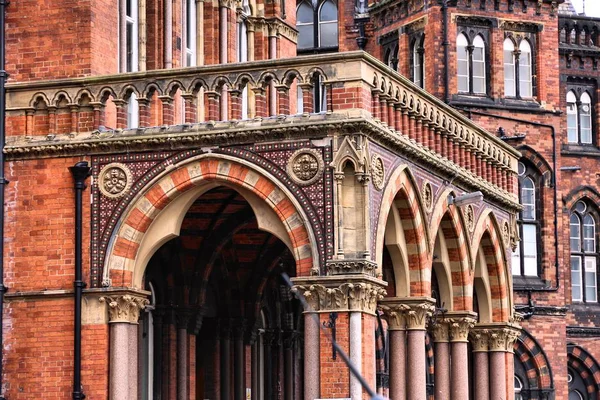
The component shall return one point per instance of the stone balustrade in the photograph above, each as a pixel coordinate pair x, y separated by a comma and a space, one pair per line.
237, 103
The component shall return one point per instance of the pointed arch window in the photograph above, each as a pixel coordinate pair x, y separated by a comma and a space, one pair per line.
317, 24
584, 254
518, 68
579, 118
471, 64
418, 60
525, 259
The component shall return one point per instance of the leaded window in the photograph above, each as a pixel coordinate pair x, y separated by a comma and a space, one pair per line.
584, 254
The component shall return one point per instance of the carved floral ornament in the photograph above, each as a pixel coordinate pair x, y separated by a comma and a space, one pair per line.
114, 180
377, 171
427, 195
506, 233
409, 315
469, 214
352, 296
124, 307
305, 166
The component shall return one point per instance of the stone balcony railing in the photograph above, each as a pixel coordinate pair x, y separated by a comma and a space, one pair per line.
62, 117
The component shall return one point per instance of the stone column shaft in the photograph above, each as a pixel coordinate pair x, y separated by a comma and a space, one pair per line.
441, 338
459, 337
356, 353
168, 50
224, 31
398, 365
312, 381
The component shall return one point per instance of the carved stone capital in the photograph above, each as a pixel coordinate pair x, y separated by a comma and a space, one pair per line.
395, 313
479, 339
441, 331
341, 293
502, 337
414, 310
459, 328
124, 307
341, 267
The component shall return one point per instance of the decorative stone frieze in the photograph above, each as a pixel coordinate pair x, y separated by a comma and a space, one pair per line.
342, 267
114, 180
341, 293
305, 166
479, 339
124, 306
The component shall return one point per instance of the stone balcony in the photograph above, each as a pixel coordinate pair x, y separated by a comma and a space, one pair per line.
69, 117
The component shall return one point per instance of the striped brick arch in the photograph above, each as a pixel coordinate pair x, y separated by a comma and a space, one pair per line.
200, 174
447, 218
584, 364
579, 193
487, 234
401, 193
535, 363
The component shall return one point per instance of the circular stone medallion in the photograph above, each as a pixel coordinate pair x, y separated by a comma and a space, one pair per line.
377, 171
305, 166
114, 180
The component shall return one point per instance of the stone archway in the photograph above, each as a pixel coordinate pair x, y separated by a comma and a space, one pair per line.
155, 217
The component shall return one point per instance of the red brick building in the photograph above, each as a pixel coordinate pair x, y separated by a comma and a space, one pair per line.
426, 172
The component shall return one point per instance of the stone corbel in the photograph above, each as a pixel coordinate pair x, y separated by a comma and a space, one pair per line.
124, 306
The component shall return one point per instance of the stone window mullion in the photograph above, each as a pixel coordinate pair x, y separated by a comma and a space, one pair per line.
470, 49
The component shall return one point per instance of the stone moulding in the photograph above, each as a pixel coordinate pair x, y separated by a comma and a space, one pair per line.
342, 267
348, 293
271, 129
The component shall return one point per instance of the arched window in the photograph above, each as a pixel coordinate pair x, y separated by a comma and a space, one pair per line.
305, 21
518, 69
418, 61
584, 256
525, 258
242, 49
471, 65
509, 69
317, 27
525, 70
320, 94
577, 387
518, 388
190, 32
579, 118
462, 56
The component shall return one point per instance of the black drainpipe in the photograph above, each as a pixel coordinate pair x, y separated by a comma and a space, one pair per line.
80, 172
556, 257
3, 181
446, 44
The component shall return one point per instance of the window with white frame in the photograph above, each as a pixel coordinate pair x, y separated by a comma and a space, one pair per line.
525, 259
584, 255
317, 25
242, 49
418, 60
579, 117
471, 64
131, 35
510, 74
133, 116
525, 76
190, 32
520, 63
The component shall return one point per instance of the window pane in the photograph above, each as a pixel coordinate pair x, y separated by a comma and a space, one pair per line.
528, 199
530, 249
591, 292
572, 122
509, 72
575, 235
576, 278
328, 12
462, 66
525, 85
585, 120
328, 34
516, 261
132, 112
306, 36
305, 14
478, 67
589, 234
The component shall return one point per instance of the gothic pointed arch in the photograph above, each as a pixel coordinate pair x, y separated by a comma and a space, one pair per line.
532, 367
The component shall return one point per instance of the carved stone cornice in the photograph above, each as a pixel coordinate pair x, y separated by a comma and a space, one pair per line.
460, 323
342, 267
502, 336
341, 293
441, 331
479, 339
124, 306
